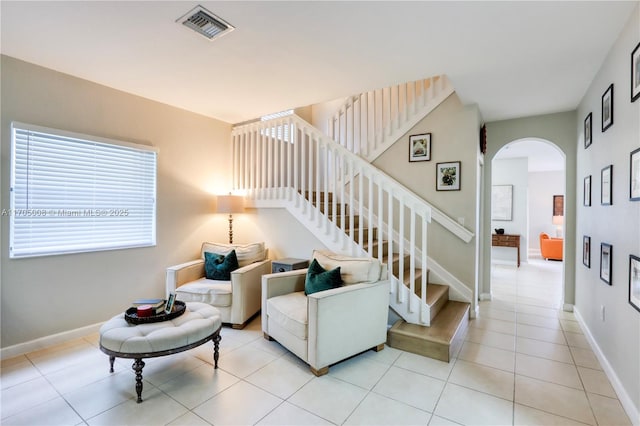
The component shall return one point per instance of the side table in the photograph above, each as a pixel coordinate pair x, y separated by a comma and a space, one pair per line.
288, 264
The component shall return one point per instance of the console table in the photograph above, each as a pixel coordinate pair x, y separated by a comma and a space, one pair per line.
506, 240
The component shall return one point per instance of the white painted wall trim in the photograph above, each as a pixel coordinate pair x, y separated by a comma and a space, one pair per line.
568, 307
485, 296
627, 403
44, 342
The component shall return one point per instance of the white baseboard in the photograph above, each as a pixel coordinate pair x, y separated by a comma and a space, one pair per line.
44, 342
567, 307
474, 312
485, 296
627, 403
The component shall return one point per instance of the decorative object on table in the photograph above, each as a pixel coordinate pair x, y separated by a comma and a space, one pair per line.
606, 186
156, 304
635, 73
230, 204
586, 191
132, 317
144, 311
483, 139
170, 302
607, 108
288, 264
634, 281
499, 231
588, 131
448, 176
558, 221
634, 175
420, 147
501, 202
606, 261
586, 251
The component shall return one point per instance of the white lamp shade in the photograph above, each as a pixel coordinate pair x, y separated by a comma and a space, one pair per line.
558, 220
230, 204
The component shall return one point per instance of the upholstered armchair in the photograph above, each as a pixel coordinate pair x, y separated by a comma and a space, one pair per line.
328, 326
550, 248
237, 299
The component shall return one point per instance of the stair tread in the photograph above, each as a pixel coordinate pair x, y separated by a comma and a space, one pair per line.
443, 328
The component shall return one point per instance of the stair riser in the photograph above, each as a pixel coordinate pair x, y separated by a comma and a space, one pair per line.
429, 349
314, 196
356, 234
396, 265
347, 220
330, 211
376, 249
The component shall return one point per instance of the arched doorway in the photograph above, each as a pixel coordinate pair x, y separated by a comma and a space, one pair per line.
528, 177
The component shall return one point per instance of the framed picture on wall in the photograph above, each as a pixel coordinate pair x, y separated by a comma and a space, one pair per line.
606, 256
634, 175
420, 147
502, 202
587, 131
448, 176
586, 251
606, 186
635, 73
607, 108
634, 281
586, 191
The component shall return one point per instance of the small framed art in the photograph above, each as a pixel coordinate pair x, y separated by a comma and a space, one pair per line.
606, 256
586, 251
607, 108
448, 176
635, 73
634, 281
606, 186
170, 302
586, 191
634, 175
587, 131
420, 147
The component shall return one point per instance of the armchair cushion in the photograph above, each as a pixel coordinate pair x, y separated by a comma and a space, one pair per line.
245, 253
319, 279
352, 269
218, 266
216, 293
290, 312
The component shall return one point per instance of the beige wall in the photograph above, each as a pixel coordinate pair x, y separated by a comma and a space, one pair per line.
46, 295
618, 334
454, 132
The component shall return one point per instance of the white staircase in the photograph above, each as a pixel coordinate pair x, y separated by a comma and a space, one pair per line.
350, 205
369, 123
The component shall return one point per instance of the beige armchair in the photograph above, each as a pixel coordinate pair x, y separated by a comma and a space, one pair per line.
238, 299
332, 325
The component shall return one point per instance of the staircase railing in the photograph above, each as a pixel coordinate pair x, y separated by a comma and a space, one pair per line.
369, 123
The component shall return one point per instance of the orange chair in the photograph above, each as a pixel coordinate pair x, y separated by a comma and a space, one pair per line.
550, 248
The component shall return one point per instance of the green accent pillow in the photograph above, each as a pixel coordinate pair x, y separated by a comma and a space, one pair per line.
318, 279
219, 267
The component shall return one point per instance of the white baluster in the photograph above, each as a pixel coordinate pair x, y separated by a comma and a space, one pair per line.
412, 256
390, 234
370, 207
423, 280
381, 221
401, 245
360, 208
351, 191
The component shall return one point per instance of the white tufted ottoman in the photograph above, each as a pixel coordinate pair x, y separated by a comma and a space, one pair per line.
199, 324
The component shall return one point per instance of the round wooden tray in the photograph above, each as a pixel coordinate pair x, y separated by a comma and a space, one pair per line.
131, 315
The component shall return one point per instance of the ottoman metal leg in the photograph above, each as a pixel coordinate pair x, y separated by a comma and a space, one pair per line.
138, 365
216, 347
111, 360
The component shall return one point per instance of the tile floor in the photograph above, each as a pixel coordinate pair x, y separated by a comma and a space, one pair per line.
524, 362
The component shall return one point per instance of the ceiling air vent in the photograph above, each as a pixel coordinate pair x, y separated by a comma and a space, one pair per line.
206, 23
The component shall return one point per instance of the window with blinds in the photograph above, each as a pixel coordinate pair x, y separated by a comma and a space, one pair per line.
75, 193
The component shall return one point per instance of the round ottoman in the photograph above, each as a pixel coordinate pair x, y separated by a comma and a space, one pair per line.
120, 339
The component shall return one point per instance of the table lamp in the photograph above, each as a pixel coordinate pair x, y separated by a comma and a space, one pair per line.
558, 221
230, 204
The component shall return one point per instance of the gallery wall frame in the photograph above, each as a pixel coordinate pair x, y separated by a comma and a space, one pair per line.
634, 281
502, 202
420, 147
586, 191
634, 175
588, 130
448, 176
607, 108
606, 186
586, 251
635, 74
606, 261
558, 205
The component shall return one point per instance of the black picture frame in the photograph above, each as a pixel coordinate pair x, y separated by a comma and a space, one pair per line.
606, 185
634, 175
606, 263
448, 176
420, 147
607, 108
588, 130
635, 74
634, 281
586, 191
586, 251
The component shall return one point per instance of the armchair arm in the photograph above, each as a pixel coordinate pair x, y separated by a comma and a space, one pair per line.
183, 273
346, 320
280, 284
245, 290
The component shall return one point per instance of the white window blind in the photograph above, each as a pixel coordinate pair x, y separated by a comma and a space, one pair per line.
75, 193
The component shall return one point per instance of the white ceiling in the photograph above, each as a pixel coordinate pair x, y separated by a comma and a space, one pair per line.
542, 156
511, 58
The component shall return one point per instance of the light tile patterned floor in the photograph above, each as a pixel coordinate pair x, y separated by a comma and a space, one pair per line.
524, 362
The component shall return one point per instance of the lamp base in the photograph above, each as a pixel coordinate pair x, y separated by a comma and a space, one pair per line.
230, 229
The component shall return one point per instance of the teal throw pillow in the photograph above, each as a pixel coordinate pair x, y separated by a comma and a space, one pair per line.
219, 267
319, 280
